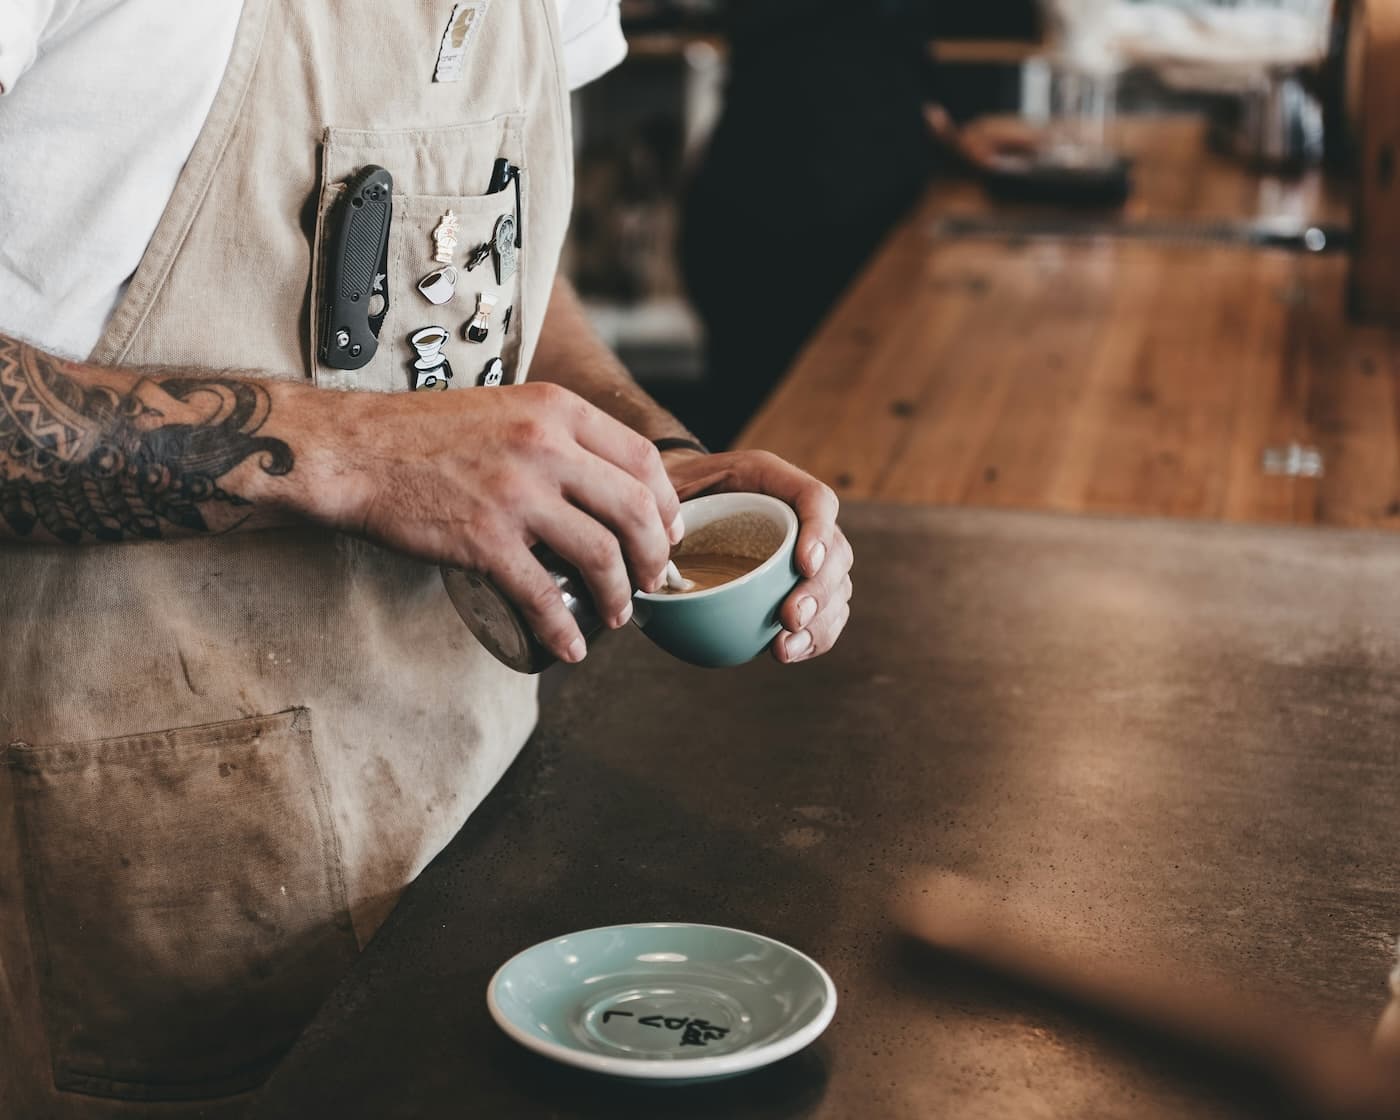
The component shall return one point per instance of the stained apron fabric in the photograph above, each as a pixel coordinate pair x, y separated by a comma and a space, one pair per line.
227, 756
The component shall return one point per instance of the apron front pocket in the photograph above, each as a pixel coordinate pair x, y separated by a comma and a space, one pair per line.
185, 902
435, 171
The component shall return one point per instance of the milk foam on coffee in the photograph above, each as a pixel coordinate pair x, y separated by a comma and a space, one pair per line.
724, 550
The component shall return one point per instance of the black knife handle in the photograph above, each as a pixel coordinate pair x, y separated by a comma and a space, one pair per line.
352, 310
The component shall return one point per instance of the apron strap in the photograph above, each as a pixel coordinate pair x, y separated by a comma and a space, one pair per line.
190, 189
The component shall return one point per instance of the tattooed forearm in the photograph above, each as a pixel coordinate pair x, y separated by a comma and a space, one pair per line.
112, 455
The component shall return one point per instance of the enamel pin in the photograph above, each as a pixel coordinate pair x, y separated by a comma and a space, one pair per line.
431, 370
503, 246
445, 238
462, 27
494, 372
440, 285
479, 255
479, 326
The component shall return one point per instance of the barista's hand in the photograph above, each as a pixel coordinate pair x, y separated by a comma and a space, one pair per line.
816, 612
475, 479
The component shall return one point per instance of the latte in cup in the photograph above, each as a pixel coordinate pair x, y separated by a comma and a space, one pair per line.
740, 547
723, 551
704, 570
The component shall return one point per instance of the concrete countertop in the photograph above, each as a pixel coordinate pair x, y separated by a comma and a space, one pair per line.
1171, 736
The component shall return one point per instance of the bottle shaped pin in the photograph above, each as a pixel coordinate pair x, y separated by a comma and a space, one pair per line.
479, 326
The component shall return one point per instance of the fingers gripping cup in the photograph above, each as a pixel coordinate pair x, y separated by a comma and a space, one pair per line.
739, 554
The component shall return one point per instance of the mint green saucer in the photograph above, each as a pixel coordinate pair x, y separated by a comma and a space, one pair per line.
662, 1000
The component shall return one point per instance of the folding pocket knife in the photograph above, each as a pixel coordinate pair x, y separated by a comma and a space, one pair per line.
355, 290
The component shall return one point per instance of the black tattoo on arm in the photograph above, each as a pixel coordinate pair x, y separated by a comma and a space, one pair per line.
131, 456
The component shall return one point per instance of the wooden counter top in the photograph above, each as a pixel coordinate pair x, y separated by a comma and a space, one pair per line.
1111, 375
1162, 737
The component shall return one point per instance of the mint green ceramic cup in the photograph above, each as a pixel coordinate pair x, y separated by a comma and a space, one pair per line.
735, 622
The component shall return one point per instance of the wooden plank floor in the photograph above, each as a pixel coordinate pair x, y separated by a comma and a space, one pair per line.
1106, 376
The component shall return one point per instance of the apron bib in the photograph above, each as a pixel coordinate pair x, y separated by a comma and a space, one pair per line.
227, 756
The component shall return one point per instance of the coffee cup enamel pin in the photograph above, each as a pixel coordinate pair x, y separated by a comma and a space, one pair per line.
440, 285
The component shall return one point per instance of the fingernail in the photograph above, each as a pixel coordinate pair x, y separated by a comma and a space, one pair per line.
577, 648
798, 644
677, 530
622, 617
806, 611
816, 558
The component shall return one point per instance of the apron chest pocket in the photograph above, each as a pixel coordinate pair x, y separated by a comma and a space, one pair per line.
436, 172
185, 903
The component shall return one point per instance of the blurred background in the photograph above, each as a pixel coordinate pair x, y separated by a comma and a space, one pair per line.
745, 163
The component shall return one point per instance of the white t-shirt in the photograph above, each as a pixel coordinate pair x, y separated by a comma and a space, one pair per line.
103, 101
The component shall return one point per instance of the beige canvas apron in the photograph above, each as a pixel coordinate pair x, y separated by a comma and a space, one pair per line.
229, 755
